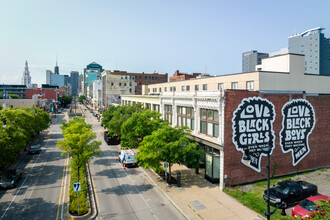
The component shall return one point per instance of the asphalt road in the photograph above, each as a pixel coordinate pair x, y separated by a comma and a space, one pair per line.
125, 194
37, 195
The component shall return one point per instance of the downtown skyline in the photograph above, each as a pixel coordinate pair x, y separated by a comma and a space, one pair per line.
146, 36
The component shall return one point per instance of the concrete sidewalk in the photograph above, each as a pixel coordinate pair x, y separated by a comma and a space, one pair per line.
200, 199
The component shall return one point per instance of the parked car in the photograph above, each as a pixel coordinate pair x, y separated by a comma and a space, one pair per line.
35, 149
289, 192
128, 157
307, 206
10, 178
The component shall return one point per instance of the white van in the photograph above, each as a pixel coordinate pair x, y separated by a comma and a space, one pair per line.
128, 157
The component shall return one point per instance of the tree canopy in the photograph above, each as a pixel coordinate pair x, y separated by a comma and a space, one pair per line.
139, 125
81, 98
168, 144
22, 125
65, 100
119, 116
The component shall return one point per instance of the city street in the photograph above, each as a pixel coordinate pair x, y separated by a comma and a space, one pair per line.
38, 192
125, 194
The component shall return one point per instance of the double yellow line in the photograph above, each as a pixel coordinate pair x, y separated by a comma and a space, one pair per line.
59, 200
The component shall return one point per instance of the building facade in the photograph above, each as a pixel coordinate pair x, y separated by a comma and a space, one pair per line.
41, 93
141, 79
251, 59
26, 78
74, 81
91, 72
59, 80
13, 89
183, 76
97, 94
316, 48
114, 86
212, 109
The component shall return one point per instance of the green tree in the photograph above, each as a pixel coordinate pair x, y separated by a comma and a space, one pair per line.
120, 115
139, 125
81, 98
108, 114
168, 144
79, 143
65, 100
21, 127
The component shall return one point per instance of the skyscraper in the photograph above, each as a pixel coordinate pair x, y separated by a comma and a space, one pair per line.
250, 59
74, 77
56, 69
91, 72
316, 48
26, 78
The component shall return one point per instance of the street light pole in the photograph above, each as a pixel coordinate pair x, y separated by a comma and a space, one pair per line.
268, 184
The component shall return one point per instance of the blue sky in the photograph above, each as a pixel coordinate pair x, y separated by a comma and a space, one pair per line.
147, 35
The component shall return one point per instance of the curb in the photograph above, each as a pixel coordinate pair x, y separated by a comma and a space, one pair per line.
173, 203
92, 212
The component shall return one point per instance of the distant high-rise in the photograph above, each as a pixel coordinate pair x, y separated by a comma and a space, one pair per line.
48, 74
91, 72
74, 77
26, 79
56, 69
316, 48
250, 59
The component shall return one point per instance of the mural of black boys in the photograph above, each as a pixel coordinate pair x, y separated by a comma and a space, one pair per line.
253, 132
298, 123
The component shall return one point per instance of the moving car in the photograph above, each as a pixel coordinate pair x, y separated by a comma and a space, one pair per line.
307, 206
10, 178
289, 192
35, 149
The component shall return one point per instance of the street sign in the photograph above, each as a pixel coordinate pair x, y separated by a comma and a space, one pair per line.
165, 165
76, 187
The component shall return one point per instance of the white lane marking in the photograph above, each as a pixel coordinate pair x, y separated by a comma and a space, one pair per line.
66, 171
21, 186
135, 188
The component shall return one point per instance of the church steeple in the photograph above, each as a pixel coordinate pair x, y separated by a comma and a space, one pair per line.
26, 79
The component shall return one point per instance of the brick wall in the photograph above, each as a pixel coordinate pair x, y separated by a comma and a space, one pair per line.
48, 94
280, 163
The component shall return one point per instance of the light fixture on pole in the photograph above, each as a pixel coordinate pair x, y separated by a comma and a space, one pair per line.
268, 213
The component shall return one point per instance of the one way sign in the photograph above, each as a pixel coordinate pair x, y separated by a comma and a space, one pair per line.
76, 187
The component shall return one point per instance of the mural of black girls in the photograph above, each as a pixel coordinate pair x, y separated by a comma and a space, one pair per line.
252, 125
298, 123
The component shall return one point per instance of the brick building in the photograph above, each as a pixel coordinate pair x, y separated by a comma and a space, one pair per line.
183, 76
281, 163
142, 79
41, 93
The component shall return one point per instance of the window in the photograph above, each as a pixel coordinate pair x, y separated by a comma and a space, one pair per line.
125, 77
160, 89
186, 117
145, 78
149, 77
140, 77
130, 83
156, 108
135, 83
196, 87
130, 90
249, 85
210, 122
174, 88
171, 89
153, 77
220, 86
168, 113
140, 84
119, 84
148, 106
234, 85
182, 88
111, 83
124, 84
187, 88
165, 89
204, 87
122, 77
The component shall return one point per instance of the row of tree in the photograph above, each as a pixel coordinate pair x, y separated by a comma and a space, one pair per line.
65, 100
79, 143
157, 141
18, 127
